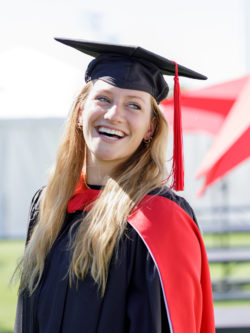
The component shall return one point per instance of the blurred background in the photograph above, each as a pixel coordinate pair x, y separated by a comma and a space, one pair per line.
40, 78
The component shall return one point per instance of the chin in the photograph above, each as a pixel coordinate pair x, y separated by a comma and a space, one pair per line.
110, 158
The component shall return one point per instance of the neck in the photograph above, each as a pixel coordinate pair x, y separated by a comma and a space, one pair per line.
97, 171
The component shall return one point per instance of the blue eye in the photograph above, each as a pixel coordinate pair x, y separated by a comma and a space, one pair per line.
134, 106
103, 99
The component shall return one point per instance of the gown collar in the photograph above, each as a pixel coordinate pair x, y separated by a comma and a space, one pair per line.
83, 196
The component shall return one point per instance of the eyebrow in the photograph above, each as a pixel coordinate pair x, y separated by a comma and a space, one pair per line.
106, 91
135, 96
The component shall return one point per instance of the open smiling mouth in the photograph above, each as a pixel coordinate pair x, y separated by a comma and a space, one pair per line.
110, 133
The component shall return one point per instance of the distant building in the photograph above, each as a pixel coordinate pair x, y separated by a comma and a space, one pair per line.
28, 149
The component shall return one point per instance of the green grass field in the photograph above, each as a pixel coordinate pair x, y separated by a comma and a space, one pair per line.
236, 270
10, 251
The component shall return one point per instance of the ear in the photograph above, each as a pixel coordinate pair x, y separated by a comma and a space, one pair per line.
150, 131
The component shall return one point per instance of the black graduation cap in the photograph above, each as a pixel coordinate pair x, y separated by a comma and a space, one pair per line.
133, 67
130, 67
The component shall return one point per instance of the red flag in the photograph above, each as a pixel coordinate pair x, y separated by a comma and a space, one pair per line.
205, 110
232, 145
222, 110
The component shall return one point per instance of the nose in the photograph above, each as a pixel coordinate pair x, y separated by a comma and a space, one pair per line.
114, 113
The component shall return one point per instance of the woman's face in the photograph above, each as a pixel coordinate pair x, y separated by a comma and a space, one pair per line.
115, 121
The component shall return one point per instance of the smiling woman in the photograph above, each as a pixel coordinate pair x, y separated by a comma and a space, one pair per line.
115, 121
110, 247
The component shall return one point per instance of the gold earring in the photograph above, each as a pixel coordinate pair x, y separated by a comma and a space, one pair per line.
148, 140
79, 125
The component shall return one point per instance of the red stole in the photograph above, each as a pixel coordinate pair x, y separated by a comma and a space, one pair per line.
177, 248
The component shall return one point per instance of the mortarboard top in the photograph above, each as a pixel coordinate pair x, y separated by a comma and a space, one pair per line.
95, 49
129, 67
133, 67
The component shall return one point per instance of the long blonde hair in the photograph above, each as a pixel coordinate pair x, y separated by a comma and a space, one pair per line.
101, 229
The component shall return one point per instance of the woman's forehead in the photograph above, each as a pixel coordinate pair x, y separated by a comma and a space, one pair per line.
102, 86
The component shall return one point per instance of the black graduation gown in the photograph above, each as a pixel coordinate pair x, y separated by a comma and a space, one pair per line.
132, 303
133, 300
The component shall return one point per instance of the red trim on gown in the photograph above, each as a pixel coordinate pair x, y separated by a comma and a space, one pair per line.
176, 246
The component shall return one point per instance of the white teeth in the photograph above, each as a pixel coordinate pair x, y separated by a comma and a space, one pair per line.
110, 131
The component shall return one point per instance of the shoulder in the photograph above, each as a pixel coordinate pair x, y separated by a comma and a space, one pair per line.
35, 202
163, 214
34, 211
165, 192
36, 198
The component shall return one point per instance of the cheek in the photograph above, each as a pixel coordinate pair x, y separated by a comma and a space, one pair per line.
86, 122
141, 126
90, 115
